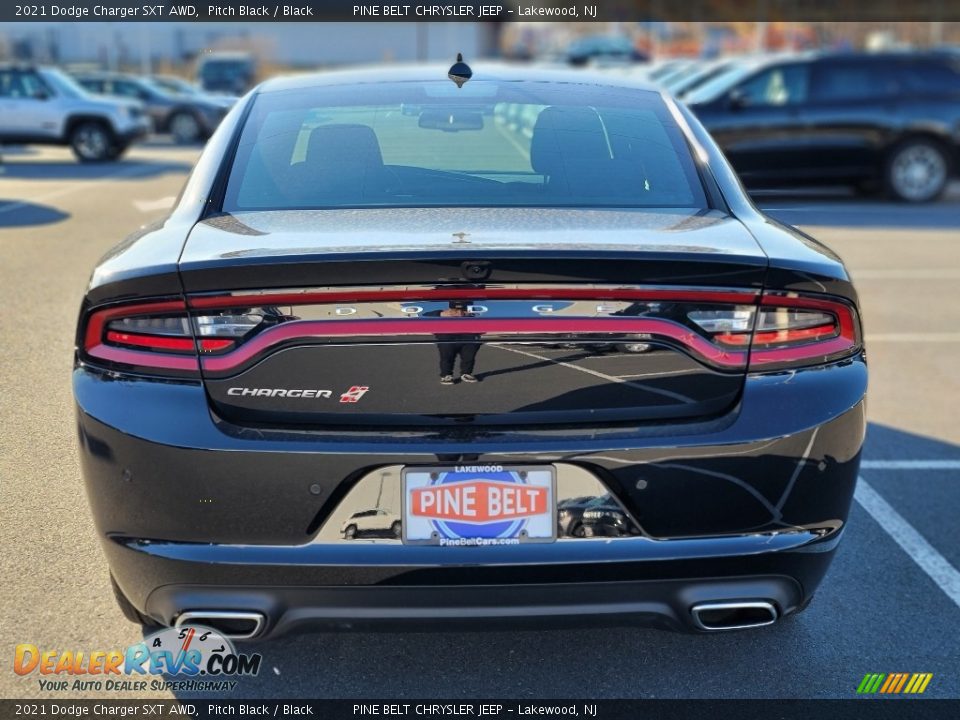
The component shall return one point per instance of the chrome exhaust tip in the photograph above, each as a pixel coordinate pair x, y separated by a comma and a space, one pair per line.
733, 615
235, 625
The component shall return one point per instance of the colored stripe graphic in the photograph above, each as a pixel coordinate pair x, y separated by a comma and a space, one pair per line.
894, 683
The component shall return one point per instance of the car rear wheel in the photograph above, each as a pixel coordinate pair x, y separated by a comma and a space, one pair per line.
127, 608
918, 171
92, 142
396, 529
184, 128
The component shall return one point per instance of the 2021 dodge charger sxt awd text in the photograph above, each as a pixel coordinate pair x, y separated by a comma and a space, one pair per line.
564, 374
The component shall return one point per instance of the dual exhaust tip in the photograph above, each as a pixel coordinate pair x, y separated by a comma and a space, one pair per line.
710, 617
234, 625
733, 615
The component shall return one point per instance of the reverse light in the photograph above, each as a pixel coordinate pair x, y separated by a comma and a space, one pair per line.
228, 325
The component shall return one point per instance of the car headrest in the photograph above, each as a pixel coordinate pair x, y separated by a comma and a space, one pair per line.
343, 146
564, 138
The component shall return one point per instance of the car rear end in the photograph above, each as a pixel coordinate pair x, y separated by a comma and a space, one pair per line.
665, 429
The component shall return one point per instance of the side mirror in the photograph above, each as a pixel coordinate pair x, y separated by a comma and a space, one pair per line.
737, 100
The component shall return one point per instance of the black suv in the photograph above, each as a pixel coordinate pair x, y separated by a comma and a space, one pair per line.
876, 121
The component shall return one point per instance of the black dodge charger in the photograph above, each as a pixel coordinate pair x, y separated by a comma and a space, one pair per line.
379, 298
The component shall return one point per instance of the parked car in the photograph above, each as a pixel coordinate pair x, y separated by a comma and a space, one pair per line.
708, 72
179, 86
723, 460
42, 105
876, 121
226, 72
593, 517
603, 49
189, 118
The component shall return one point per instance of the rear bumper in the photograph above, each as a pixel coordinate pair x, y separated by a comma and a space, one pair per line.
663, 603
191, 510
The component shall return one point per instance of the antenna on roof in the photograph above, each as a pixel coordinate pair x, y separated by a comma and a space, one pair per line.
460, 72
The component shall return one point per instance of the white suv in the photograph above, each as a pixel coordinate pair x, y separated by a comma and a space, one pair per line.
45, 106
371, 523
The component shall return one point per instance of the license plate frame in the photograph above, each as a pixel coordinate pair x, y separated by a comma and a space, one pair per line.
537, 525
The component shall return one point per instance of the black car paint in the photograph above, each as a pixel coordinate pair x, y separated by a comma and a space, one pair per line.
755, 510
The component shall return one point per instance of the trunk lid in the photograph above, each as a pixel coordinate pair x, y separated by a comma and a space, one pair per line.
569, 316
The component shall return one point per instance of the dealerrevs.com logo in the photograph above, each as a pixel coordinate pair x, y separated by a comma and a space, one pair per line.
199, 658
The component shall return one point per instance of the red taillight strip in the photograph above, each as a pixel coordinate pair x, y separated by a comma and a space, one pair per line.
772, 336
215, 344
737, 297
475, 326
167, 342
155, 342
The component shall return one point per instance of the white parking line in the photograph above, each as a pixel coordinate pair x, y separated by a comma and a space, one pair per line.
912, 542
164, 203
611, 378
660, 374
910, 464
914, 337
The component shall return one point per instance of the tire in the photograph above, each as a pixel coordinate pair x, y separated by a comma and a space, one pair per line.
350, 532
128, 610
185, 128
396, 529
92, 141
634, 348
917, 170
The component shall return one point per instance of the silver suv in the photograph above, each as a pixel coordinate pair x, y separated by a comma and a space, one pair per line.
40, 105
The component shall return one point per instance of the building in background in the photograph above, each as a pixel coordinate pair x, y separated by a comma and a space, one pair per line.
165, 47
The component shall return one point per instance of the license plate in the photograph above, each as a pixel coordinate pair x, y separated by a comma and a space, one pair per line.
479, 505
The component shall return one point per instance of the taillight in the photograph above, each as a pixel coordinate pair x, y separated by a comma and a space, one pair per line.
730, 330
789, 330
160, 336
149, 337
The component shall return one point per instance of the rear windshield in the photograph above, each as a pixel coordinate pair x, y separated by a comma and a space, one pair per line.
488, 144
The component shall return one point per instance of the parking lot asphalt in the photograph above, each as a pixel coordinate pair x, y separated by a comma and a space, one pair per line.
891, 602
